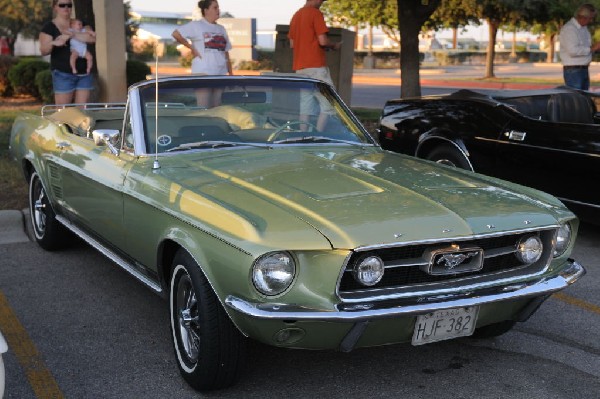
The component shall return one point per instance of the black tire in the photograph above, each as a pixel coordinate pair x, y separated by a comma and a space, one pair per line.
48, 232
494, 330
447, 154
210, 351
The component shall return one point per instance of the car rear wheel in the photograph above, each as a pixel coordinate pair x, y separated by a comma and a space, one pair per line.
209, 348
447, 154
1, 377
494, 330
3, 349
47, 231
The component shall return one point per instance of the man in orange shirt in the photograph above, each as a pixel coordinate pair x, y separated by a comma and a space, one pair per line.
309, 41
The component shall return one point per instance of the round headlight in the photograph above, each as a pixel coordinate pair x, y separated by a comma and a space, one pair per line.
369, 270
529, 249
273, 273
563, 238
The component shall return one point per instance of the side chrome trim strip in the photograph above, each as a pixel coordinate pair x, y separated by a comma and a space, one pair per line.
154, 286
579, 202
269, 311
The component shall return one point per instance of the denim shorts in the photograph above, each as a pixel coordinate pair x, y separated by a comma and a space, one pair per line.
67, 82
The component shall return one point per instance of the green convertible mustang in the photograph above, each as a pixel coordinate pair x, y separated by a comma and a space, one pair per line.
261, 208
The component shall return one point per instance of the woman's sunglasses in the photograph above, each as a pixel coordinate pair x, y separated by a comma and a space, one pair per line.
65, 5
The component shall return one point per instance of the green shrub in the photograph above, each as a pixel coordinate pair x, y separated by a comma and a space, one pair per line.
43, 82
136, 71
186, 61
22, 76
6, 62
171, 50
261, 65
144, 52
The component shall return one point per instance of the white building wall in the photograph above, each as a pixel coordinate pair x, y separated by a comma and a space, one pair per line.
24, 47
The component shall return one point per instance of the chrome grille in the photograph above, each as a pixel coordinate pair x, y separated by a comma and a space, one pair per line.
404, 271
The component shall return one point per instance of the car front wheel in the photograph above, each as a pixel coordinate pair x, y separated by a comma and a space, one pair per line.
47, 231
209, 348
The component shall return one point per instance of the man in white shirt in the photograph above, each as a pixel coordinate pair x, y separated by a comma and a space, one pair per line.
576, 48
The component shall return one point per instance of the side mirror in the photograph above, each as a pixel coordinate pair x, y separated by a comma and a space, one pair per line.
107, 137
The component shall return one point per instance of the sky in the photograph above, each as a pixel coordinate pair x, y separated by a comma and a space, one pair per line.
268, 13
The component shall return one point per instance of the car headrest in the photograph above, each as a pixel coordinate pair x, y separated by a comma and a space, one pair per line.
75, 118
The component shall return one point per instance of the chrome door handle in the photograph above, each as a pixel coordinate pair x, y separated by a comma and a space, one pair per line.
515, 135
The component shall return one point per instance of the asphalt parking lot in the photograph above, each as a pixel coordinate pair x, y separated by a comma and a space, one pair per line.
79, 327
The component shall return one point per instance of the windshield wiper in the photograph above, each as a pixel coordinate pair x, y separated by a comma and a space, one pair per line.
213, 144
316, 139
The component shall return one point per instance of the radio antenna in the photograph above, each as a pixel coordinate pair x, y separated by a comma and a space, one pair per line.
156, 165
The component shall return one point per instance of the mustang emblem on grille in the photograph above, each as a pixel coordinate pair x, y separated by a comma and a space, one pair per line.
450, 261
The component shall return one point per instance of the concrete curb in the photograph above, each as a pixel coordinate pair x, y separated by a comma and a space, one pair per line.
13, 228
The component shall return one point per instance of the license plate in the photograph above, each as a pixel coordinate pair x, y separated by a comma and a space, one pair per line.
445, 324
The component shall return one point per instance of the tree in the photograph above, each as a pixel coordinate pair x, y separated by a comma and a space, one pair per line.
453, 14
363, 14
386, 18
403, 16
412, 14
24, 17
496, 13
131, 27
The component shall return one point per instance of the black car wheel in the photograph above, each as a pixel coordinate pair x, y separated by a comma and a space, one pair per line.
494, 330
47, 231
447, 154
209, 348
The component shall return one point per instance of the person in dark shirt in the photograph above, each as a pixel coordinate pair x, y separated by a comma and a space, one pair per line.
54, 40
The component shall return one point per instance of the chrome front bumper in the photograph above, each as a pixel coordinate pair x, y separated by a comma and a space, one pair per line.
539, 288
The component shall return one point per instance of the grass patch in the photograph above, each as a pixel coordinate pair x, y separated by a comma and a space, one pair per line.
13, 187
367, 114
369, 118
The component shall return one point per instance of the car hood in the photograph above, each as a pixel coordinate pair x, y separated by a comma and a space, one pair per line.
355, 197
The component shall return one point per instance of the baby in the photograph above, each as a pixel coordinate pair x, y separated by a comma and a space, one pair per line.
79, 48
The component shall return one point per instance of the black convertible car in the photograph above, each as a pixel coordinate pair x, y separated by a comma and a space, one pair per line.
547, 139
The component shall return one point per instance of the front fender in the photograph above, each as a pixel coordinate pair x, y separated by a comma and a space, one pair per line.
433, 138
227, 268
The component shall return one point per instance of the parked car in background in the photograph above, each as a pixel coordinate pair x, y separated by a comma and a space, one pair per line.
276, 217
3, 349
547, 139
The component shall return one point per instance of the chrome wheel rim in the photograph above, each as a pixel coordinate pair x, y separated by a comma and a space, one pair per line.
39, 208
446, 162
188, 322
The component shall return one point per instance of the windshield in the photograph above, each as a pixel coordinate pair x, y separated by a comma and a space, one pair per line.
190, 113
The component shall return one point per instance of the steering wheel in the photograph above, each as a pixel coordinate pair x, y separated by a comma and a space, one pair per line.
286, 127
